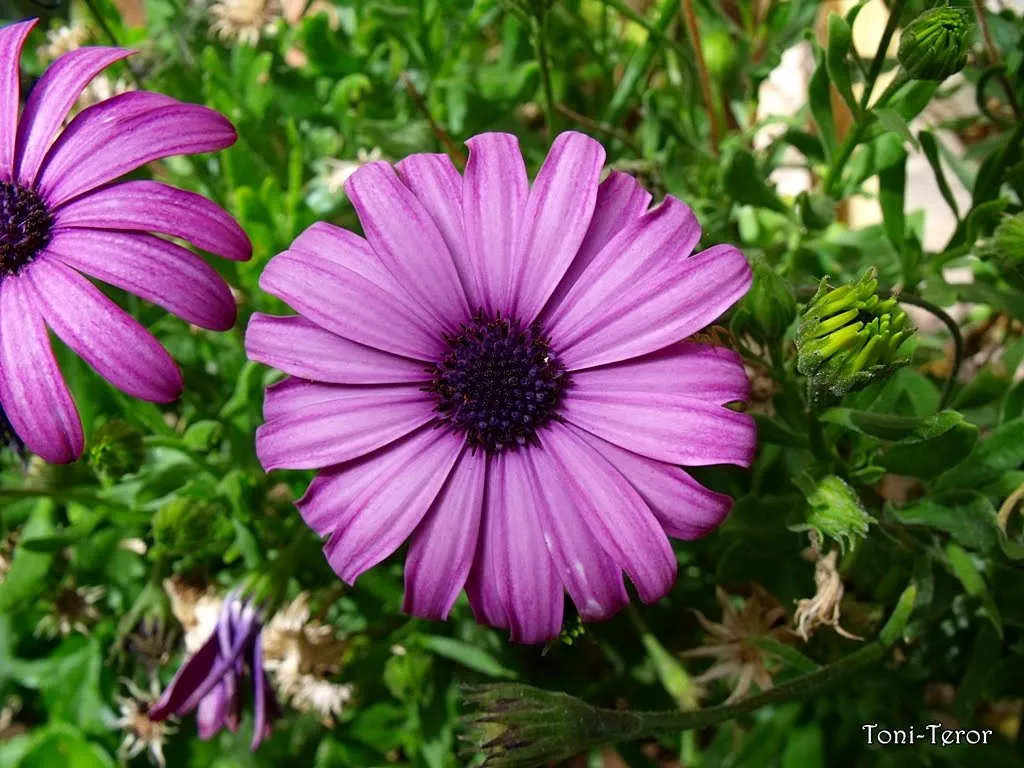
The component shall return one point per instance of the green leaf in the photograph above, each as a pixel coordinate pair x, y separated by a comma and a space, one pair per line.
61, 745
873, 157
881, 425
787, 653
1010, 302
968, 572
931, 151
894, 123
892, 184
770, 430
745, 183
202, 435
819, 94
29, 569
1001, 451
967, 516
804, 748
938, 443
837, 60
913, 99
467, 655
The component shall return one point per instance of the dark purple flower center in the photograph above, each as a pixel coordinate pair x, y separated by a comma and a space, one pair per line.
25, 224
498, 383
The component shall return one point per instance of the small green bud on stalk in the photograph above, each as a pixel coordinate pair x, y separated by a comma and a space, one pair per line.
849, 337
768, 308
836, 511
935, 45
191, 528
117, 450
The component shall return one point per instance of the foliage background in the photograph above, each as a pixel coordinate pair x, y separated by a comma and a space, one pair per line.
340, 78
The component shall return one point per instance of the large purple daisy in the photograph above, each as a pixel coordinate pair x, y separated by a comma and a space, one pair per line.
497, 374
61, 217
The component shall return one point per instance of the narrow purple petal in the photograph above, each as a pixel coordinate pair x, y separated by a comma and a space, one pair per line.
620, 201
106, 145
328, 502
616, 514
495, 189
154, 269
103, 334
437, 184
293, 394
408, 242
189, 677
482, 586
260, 690
668, 306
149, 206
444, 544
589, 574
33, 392
300, 347
699, 371
555, 221
516, 561
664, 426
347, 249
12, 39
210, 714
341, 429
50, 101
222, 669
385, 515
684, 507
350, 305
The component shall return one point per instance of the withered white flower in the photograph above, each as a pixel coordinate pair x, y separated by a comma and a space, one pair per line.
196, 608
73, 609
141, 733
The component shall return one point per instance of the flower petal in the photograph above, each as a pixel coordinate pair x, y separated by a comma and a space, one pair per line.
616, 514
512, 567
555, 221
264, 704
348, 250
437, 184
349, 425
383, 516
189, 677
327, 503
302, 348
693, 370
12, 39
590, 576
675, 302
154, 269
210, 714
346, 303
665, 427
408, 242
50, 101
102, 144
149, 206
495, 189
444, 544
33, 392
684, 507
103, 334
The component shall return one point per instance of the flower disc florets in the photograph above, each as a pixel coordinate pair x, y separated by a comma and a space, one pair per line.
25, 223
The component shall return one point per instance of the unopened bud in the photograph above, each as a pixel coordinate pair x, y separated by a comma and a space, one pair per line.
116, 450
192, 528
769, 306
1009, 239
934, 46
835, 511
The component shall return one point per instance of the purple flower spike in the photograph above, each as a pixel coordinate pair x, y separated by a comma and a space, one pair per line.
64, 216
210, 682
498, 372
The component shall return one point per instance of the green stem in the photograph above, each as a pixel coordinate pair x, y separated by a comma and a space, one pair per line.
540, 31
895, 11
97, 15
60, 497
954, 332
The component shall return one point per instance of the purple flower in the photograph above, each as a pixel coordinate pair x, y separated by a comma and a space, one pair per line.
62, 217
497, 374
210, 681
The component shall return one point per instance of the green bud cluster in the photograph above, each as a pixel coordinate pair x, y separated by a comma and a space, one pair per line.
835, 511
934, 46
849, 337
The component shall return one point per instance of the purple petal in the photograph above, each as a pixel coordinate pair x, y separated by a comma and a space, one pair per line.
482, 587
495, 189
189, 677
438, 186
149, 206
350, 305
665, 427
102, 144
684, 507
515, 565
103, 334
383, 516
292, 395
615, 513
590, 576
328, 501
210, 714
555, 221
650, 313
156, 270
261, 696
12, 39
620, 201
348, 250
408, 242
222, 671
341, 429
50, 101
444, 544
300, 347
693, 370
32, 390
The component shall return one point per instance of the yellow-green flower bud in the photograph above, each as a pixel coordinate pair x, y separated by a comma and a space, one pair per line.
769, 306
835, 511
116, 450
934, 46
1009, 238
849, 337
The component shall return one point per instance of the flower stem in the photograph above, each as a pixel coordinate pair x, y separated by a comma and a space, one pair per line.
540, 31
954, 332
693, 28
895, 11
